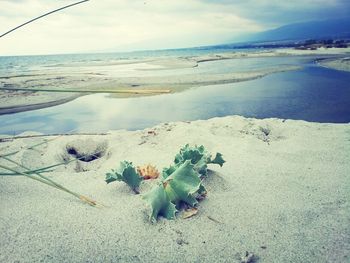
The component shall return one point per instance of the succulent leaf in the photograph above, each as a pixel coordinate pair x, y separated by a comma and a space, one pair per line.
198, 156
182, 184
194, 154
218, 160
159, 203
126, 172
168, 171
202, 191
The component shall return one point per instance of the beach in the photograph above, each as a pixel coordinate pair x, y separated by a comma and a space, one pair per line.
57, 84
281, 196
338, 64
175, 131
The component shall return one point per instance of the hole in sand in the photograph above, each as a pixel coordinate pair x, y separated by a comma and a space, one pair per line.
265, 130
86, 150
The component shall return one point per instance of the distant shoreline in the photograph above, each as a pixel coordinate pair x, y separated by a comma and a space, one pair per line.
18, 101
342, 64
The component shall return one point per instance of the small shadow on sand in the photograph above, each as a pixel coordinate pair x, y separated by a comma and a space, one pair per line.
215, 182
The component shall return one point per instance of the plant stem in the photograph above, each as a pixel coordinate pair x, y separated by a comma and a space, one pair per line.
49, 182
44, 169
27, 172
47, 135
121, 91
28, 148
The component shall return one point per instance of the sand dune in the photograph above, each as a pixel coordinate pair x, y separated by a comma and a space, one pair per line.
282, 195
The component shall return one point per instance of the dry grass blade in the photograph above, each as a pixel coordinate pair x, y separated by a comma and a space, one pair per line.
28, 148
46, 168
26, 172
121, 91
5, 139
39, 177
48, 181
28, 175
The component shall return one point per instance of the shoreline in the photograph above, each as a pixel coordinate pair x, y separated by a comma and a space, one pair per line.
37, 106
173, 85
13, 101
282, 195
342, 64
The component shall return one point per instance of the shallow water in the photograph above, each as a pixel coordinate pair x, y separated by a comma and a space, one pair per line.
13, 65
91, 71
312, 94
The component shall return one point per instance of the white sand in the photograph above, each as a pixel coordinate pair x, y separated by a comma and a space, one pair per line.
282, 196
338, 64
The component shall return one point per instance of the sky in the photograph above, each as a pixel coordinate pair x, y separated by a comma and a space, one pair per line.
126, 25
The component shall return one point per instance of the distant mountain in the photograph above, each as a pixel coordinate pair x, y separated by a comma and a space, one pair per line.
335, 28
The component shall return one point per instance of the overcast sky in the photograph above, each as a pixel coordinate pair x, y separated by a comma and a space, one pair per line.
124, 25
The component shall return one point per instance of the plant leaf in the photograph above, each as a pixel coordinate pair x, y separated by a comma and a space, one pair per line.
198, 156
160, 203
195, 154
126, 172
182, 184
218, 160
202, 192
168, 171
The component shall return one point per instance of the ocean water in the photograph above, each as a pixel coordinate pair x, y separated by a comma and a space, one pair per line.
312, 93
82, 70
16, 65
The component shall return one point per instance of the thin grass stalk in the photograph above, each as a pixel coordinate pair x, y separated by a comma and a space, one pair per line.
26, 172
28, 148
121, 91
32, 146
4, 139
50, 182
43, 178
45, 169
37, 173
28, 175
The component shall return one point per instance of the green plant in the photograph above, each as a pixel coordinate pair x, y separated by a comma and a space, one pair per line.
198, 156
180, 184
160, 203
127, 173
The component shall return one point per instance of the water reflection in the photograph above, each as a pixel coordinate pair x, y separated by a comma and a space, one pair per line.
312, 94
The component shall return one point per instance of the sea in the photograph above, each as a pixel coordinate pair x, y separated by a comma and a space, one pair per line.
313, 93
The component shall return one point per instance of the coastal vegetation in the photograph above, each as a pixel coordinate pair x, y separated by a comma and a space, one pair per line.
180, 185
37, 174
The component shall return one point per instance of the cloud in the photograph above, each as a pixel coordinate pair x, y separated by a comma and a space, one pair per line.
117, 24
121, 25
272, 13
